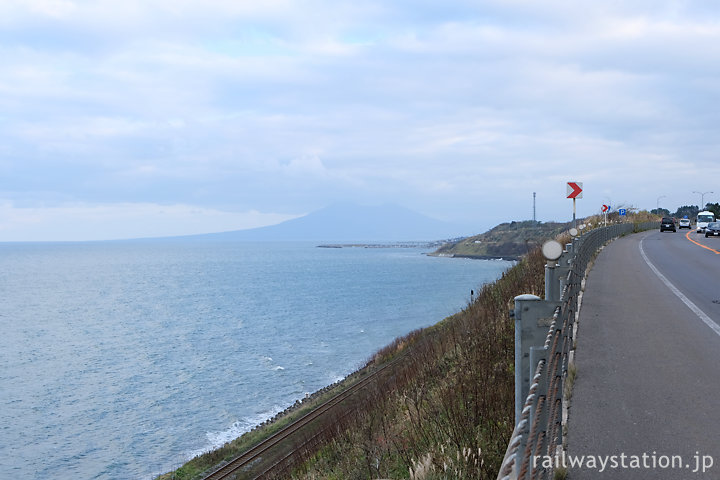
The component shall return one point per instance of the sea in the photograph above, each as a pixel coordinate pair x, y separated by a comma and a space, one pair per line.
123, 360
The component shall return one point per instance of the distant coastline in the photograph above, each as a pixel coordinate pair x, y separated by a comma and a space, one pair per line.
434, 244
512, 258
508, 241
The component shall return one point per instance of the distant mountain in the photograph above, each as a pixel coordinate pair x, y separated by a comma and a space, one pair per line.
349, 223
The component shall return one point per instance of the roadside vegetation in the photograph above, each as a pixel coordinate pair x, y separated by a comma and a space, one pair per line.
448, 411
445, 412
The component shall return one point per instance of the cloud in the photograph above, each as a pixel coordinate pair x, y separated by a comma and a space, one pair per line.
306, 165
286, 106
75, 222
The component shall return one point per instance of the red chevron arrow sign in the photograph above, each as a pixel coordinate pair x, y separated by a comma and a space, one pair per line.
574, 190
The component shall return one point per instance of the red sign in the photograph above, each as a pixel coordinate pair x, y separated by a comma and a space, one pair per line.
605, 208
574, 190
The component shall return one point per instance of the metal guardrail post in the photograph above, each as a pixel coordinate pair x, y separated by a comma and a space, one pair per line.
536, 355
552, 284
563, 267
533, 318
543, 338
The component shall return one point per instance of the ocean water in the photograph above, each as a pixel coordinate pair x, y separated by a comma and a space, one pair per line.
122, 360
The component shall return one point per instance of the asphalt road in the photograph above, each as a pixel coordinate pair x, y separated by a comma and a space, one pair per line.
646, 402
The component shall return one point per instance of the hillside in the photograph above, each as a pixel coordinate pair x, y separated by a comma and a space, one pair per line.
449, 403
445, 412
507, 240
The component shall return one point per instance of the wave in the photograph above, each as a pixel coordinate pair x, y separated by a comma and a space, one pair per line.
216, 440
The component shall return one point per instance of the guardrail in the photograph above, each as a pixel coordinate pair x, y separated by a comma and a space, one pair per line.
544, 333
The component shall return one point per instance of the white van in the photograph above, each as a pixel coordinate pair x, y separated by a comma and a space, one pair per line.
703, 219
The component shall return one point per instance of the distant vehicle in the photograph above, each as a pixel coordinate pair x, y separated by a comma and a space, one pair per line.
667, 223
703, 218
713, 228
684, 223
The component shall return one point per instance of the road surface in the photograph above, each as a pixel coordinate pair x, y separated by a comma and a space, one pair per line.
646, 402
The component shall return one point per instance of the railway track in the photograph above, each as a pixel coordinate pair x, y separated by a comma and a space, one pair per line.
239, 464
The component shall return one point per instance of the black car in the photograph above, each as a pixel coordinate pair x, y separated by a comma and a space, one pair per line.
667, 223
713, 229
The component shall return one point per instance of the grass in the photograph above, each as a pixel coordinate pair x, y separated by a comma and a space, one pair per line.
570, 381
449, 411
450, 414
445, 412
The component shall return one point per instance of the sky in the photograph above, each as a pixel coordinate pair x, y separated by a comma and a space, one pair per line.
141, 118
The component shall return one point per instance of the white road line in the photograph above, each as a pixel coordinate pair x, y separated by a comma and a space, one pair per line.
702, 315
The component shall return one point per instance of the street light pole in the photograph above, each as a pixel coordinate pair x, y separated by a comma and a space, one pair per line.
702, 198
657, 206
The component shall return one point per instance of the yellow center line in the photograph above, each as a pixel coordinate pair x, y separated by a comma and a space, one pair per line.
687, 235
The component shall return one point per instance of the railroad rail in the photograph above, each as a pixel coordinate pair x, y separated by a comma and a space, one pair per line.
239, 464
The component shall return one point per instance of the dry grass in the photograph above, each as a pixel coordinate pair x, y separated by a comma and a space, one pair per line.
448, 413
447, 409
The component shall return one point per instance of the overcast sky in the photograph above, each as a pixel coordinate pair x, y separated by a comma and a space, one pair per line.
160, 117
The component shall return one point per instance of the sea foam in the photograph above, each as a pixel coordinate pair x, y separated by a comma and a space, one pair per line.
218, 439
